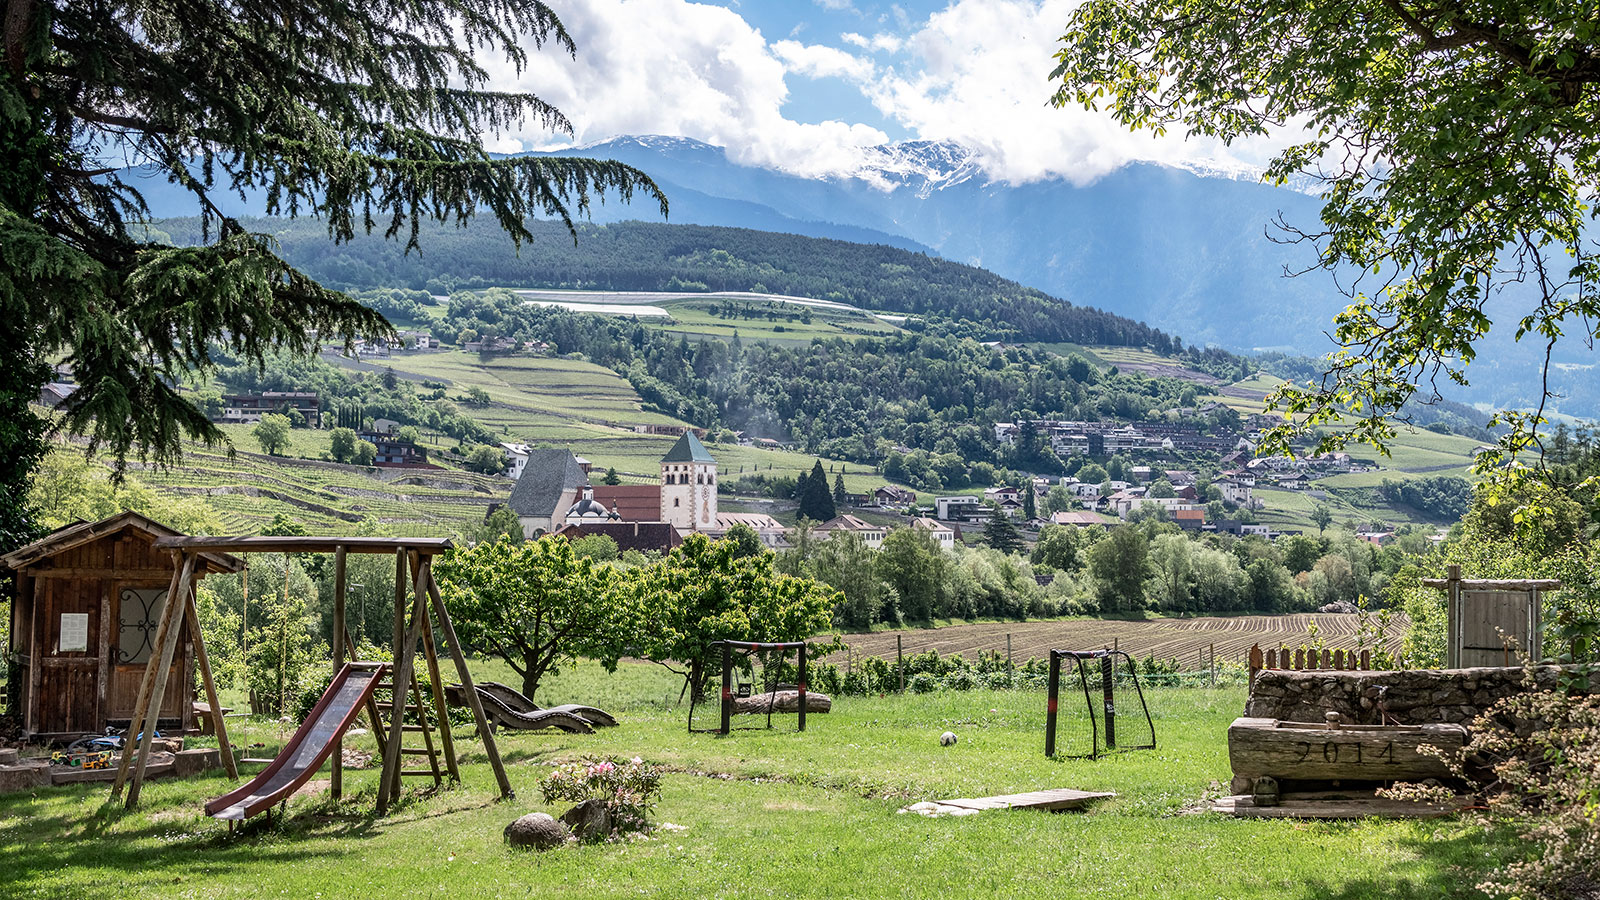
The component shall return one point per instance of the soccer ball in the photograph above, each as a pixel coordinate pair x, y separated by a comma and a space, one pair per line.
948, 739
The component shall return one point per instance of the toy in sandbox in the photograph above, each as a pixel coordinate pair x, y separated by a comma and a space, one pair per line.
1107, 732
746, 664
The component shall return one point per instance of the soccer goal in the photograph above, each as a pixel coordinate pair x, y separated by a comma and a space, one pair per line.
1099, 729
747, 666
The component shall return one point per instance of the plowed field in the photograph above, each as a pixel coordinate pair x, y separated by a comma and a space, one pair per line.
1187, 640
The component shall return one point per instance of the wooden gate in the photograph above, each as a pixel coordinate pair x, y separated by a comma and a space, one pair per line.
1492, 623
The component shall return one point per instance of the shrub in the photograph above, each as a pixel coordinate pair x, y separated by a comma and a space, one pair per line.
922, 683
960, 680
628, 790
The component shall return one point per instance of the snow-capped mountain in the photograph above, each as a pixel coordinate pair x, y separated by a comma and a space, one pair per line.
921, 166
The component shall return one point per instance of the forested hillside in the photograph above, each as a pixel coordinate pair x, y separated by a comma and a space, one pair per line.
638, 256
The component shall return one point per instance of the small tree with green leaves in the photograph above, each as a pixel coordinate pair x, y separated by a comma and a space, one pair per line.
1321, 517
537, 605
272, 432
703, 591
366, 453
342, 444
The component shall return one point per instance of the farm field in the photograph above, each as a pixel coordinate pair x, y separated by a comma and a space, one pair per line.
1186, 640
760, 814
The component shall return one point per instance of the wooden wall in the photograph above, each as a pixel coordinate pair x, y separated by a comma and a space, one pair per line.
80, 691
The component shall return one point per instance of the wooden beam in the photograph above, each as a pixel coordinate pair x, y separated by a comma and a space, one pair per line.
431, 654
336, 786
405, 655
175, 602
218, 720
147, 682
1496, 584
473, 700
293, 544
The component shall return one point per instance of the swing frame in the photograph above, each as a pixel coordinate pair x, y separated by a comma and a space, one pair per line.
749, 648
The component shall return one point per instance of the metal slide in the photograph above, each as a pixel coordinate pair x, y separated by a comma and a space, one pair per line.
310, 747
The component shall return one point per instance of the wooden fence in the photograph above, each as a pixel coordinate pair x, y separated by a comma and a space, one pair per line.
1303, 660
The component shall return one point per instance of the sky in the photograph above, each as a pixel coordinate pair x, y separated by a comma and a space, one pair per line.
805, 85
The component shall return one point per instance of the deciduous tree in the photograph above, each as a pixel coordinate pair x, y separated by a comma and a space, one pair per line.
1456, 148
537, 605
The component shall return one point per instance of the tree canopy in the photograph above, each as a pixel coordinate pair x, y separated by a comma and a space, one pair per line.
368, 115
1456, 147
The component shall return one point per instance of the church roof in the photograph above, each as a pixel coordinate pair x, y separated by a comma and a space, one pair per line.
634, 502
548, 474
688, 449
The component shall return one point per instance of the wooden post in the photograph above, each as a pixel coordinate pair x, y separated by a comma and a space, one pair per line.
336, 775
147, 683
175, 603
1051, 704
1213, 664
1452, 647
192, 614
405, 653
441, 710
900, 661
399, 601
473, 700
726, 710
802, 687
1009, 667
1108, 674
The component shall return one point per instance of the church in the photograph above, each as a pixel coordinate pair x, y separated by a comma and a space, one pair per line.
554, 495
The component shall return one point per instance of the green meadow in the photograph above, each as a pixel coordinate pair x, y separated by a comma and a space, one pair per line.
759, 814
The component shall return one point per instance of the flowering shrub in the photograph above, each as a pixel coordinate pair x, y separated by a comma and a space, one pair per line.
627, 790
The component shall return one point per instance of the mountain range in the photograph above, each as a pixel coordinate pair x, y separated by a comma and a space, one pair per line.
1192, 251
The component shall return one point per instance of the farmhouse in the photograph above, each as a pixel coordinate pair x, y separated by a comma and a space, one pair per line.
943, 534
249, 408
870, 534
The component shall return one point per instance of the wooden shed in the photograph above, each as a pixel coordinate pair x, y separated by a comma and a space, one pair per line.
89, 598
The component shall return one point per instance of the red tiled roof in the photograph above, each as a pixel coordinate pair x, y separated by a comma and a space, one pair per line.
633, 502
641, 536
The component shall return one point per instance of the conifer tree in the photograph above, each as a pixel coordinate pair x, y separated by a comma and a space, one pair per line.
368, 114
1000, 534
816, 503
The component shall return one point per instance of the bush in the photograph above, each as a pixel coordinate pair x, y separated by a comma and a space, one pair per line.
960, 680
922, 683
628, 790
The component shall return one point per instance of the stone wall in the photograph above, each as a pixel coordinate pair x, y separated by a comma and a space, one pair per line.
1417, 697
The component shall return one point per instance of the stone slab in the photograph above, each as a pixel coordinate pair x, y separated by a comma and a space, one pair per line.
1291, 806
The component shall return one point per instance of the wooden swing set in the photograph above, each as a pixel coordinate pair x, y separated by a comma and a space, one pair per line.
413, 564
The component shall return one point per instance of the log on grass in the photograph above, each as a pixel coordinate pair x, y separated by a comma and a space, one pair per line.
1307, 751
781, 702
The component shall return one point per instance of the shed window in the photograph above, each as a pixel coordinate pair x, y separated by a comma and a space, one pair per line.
137, 617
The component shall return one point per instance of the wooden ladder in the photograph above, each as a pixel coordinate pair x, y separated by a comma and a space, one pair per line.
383, 700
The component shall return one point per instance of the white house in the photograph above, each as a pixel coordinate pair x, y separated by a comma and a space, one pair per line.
957, 507
870, 534
943, 534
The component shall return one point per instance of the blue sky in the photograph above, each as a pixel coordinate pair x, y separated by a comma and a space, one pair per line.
810, 86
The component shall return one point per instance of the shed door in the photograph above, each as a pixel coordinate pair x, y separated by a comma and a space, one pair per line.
68, 627
1495, 627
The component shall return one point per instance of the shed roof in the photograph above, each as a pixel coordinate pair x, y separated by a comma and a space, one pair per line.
79, 533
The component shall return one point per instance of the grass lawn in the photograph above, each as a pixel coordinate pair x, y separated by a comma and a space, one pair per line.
764, 814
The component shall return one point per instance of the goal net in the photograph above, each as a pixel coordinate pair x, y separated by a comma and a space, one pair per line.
1096, 705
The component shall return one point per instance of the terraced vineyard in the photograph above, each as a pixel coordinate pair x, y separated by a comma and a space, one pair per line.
1187, 640
249, 490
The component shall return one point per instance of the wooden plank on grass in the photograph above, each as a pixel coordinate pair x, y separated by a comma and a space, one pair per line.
1057, 799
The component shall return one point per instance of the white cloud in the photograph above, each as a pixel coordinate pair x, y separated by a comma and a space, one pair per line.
817, 61
686, 69
835, 5
976, 73
888, 42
